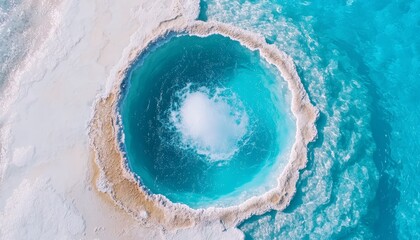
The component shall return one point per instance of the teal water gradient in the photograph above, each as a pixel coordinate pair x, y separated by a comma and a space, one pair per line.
360, 62
156, 150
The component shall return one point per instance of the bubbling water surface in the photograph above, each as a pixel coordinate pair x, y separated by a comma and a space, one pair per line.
210, 125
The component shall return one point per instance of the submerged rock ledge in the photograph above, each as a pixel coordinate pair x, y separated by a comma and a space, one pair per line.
119, 183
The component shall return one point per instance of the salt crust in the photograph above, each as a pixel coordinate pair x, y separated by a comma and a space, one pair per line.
38, 198
121, 184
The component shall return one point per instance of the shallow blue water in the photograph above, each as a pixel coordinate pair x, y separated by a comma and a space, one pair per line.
360, 62
206, 121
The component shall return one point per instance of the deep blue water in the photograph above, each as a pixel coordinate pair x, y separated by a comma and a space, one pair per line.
206, 121
360, 63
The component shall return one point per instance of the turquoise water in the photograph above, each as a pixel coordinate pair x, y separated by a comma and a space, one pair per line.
206, 122
360, 63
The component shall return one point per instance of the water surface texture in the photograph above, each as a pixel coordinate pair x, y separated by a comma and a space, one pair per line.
206, 121
360, 62
21, 32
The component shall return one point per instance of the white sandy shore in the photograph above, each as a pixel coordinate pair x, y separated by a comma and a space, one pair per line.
45, 162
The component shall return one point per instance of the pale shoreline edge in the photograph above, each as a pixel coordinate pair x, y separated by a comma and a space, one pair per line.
123, 188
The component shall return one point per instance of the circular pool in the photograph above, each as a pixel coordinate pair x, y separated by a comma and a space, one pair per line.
205, 121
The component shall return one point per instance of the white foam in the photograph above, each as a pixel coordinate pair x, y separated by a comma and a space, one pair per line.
210, 125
